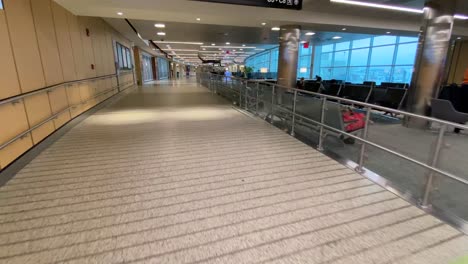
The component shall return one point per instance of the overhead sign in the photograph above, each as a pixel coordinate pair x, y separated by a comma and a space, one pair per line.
284, 4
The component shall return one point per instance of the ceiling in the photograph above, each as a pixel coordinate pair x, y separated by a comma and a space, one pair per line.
221, 23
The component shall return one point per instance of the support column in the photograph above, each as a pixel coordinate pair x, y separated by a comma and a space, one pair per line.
434, 43
288, 55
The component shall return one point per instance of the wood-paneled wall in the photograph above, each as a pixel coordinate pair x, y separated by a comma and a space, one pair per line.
459, 62
42, 44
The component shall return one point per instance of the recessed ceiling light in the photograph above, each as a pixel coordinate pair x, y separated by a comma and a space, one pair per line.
228, 43
120, 13
161, 33
336, 37
243, 45
160, 25
344, 29
459, 38
310, 33
388, 32
275, 28
212, 44
263, 24
241, 49
198, 19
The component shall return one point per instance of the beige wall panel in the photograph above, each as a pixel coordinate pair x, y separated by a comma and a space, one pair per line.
62, 119
42, 132
13, 119
64, 42
14, 150
114, 82
37, 107
8, 77
73, 94
77, 110
84, 23
58, 99
24, 43
85, 91
77, 46
45, 31
97, 39
109, 54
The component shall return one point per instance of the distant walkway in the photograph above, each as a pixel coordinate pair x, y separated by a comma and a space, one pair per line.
173, 174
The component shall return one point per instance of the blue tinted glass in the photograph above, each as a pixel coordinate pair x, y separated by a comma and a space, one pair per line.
327, 48
379, 74
342, 45
1, 4
341, 58
361, 43
406, 53
339, 73
357, 74
402, 74
304, 61
384, 40
408, 39
326, 59
325, 73
359, 57
382, 55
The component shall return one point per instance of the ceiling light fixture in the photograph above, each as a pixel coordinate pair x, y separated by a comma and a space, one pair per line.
198, 19
275, 28
336, 37
390, 7
243, 45
120, 13
388, 32
212, 44
179, 42
310, 33
263, 24
228, 43
160, 25
344, 29
229, 47
161, 33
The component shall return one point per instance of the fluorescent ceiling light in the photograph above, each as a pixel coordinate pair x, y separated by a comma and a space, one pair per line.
263, 24
310, 33
120, 13
179, 42
212, 44
228, 43
359, 3
160, 25
198, 19
390, 7
161, 33
275, 28
228, 47
461, 17
182, 50
336, 37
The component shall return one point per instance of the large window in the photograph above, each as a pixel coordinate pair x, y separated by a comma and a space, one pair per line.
304, 62
163, 68
379, 59
124, 57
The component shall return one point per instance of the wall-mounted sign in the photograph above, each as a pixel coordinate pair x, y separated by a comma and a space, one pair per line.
284, 4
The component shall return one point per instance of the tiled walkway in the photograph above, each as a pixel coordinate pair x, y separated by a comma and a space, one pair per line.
173, 174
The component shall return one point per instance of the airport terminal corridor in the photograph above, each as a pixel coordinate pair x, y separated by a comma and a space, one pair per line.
172, 173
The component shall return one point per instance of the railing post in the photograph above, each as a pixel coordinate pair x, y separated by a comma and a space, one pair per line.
322, 121
256, 99
240, 94
246, 107
433, 162
365, 132
293, 122
272, 104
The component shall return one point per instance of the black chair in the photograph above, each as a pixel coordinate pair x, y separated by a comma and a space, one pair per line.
332, 89
312, 86
394, 98
394, 85
359, 93
377, 95
369, 83
443, 109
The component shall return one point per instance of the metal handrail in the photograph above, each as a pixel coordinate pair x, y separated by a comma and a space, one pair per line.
365, 142
54, 116
50, 88
377, 107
